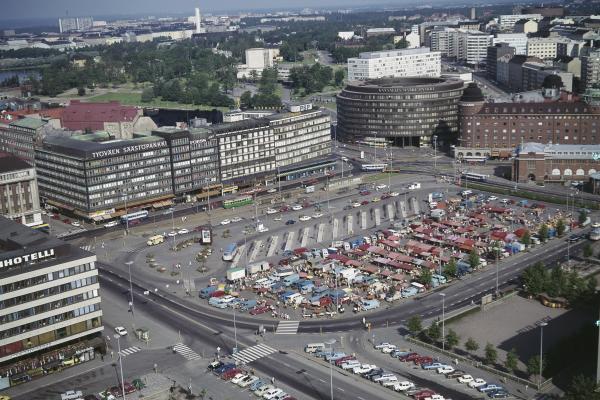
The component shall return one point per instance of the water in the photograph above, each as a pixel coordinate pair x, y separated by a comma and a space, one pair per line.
23, 74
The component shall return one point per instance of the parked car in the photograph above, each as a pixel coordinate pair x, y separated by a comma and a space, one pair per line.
382, 345
226, 222
263, 389
388, 349
465, 379
446, 369
259, 310
296, 207
423, 394
477, 382
121, 331
489, 387
498, 394
453, 375
433, 365
361, 369
423, 360
238, 378
290, 222
409, 357
249, 380
403, 386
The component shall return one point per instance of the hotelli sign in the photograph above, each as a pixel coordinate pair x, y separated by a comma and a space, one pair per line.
38, 255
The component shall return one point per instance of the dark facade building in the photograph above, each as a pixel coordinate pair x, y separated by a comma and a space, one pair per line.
493, 54
495, 129
515, 71
399, 111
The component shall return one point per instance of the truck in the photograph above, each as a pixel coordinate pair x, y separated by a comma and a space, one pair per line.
236, 273
206, 292
290, 279
309, 189
154, 240
247, 305
366, 305
257, 267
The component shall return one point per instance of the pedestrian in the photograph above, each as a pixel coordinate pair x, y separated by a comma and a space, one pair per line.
112, 354
273, 380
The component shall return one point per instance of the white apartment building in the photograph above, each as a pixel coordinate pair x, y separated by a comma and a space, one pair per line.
395, 64
516, 40
544, 48
461, 44
257, 59
19, 196
507, 22
49, 304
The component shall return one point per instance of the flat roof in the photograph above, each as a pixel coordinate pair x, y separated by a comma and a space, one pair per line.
86, 149
29, 123
9, 163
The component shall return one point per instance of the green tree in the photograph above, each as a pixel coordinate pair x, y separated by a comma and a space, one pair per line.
471, 344
526, 238
451, 269
512, 361
80, 91
533, 365
338, 77
582, 216
535, 278
543, 232
452, 339
434, 332
402, 44
582, 388
426, 276
587, 250
491, 354
560, 227
414, 325
474, 259
148, 94
246, 100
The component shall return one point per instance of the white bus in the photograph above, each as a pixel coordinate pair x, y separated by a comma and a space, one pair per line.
373, 167
134, 216
472, 176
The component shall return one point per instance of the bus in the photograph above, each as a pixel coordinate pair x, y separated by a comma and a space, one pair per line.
237, 202
373, 167
229, 252
156, 239
134, 216
472, 176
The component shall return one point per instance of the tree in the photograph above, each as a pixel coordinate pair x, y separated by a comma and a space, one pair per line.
426, 276
511, 362
434, 331
471, 344
246, 100
80, 91
582, 387
338, 77
534, 278
526, 238
148, 94
560, 227
491, 354
543, 232
402, 44
474, 259
451, 269
452, 339
587, 250
414, 325
533, 365
582, 216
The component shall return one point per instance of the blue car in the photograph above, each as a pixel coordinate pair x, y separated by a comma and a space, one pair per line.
256, 385
498, 394
490, 387
224, 368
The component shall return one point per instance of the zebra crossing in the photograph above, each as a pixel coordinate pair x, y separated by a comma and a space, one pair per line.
128, 351
87, 247
287, 328
253, 353
186, 352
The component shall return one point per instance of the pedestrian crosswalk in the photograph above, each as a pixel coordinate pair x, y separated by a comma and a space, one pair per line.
287, 328
87, 247
186, 352
129, 351
253, 353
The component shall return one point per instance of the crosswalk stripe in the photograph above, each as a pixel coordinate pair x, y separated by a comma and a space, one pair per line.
186, 352
253, 353
287, 327
128, 351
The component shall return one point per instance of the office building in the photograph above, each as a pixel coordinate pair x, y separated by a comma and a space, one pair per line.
490, 129
540, 162
257, 59
75, 24
461, 44
526, 26
515, 71
399, 111
518, 41
19, 197
590, 69
50, 313
20, 137
534, 73
507, 22
502, 69
494, 53
473, 13
395, 64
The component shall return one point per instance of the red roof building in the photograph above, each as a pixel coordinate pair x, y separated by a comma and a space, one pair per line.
117, 119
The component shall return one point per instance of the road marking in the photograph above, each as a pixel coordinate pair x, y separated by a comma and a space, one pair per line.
129, 350
253, 353
186, 352
340, 389
287, 328
321, 380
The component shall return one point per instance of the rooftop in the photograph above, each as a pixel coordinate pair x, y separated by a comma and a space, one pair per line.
395, 53
85, 149
9, 163
29, 123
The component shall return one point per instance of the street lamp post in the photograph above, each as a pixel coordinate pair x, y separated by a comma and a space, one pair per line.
542, 325
118, 337
331, 342
128, 263
434, 153
496, 250
443, 320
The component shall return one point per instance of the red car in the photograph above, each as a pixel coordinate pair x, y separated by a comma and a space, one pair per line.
385, 196
259, 310
423, 394
364, 202
364, 192
409, 357
129, 388
227, 375
423, 360
342, 360
284, 209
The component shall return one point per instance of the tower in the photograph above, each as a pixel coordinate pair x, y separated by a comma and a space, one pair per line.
198, 28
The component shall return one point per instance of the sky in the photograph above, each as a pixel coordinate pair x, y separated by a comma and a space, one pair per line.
31, 9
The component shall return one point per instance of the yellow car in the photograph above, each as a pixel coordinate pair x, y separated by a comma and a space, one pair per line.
4, 397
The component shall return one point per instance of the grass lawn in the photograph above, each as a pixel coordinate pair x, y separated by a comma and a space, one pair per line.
135, 99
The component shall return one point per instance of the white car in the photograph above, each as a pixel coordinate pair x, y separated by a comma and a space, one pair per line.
270, 394
263, 389
111, 224
272, 190
475, 383
183, 231
403, 386
236, 219
390, 382
317, 215
355, 204
296, 207
596, 225
262, 229
249, 380
121, 331
389, 349
226, 222
435, 397
238, 378
382, 345
363, 368
76, 224
492, 198
278, 218
385, 377
465, 379
504, 201
446, 369
304, 218
380, 186
414, 185
271, 211
172, 233
394, 194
